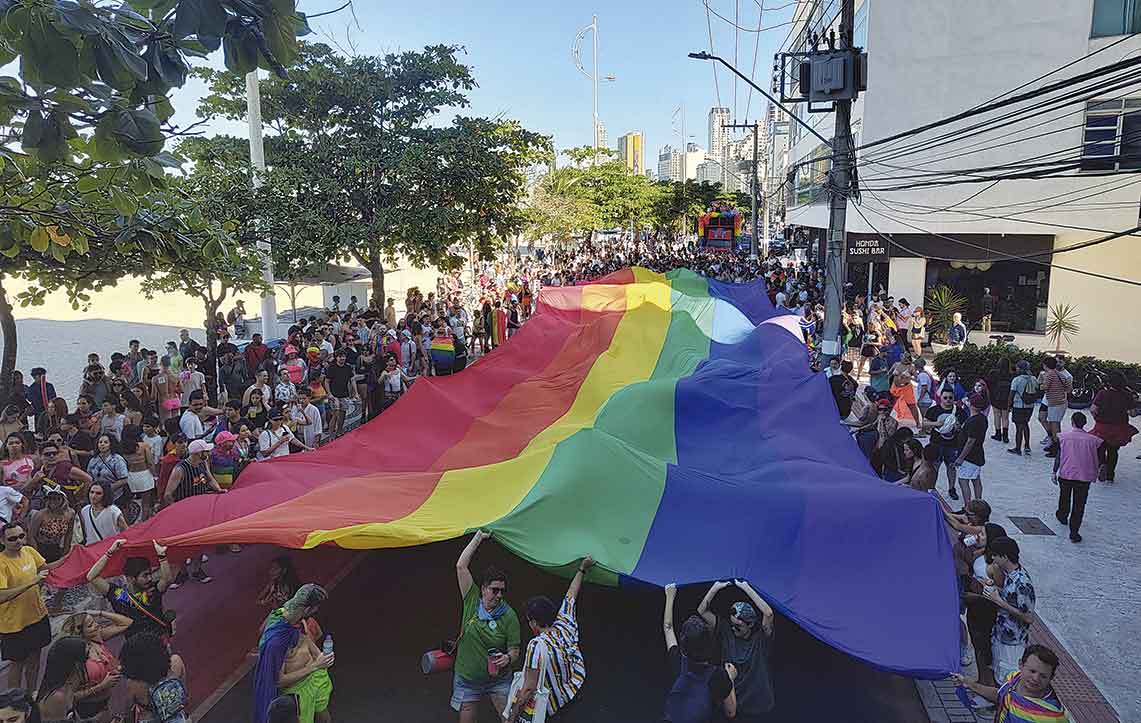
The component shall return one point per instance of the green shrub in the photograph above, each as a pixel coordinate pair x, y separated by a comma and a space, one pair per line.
973, 362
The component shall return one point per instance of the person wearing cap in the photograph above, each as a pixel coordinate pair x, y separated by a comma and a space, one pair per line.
189, 478
275, 439
971, 458
224, 459
192, 476
50, 529
295, 365
745, 638
1023, 396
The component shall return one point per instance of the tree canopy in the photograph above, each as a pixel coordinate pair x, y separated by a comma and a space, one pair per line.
355, 150
85, 196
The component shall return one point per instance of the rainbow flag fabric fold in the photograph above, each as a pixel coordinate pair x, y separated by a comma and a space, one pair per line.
666, 424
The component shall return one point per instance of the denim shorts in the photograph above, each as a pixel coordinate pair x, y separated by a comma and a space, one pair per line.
465, 691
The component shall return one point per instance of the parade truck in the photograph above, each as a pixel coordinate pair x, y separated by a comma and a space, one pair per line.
719, 229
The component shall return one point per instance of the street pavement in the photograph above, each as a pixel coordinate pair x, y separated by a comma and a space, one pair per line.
398, 603
1088, 593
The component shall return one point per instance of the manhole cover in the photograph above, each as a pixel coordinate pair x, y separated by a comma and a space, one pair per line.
1031, 526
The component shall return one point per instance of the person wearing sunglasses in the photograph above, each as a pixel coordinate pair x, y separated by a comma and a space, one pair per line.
489, 639
24, 626
745, 639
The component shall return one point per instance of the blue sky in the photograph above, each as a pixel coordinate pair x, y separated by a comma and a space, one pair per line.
520, 53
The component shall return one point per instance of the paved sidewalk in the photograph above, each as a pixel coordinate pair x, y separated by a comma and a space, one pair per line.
1088, 594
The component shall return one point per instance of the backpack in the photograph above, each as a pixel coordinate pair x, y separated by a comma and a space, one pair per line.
168, 700
1032, 394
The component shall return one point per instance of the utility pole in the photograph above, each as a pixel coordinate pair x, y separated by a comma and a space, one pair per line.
257, 158
841, 181
756, 128
765, 191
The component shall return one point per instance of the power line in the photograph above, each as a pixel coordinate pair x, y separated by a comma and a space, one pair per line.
1001, 218
738, 26
1124, 80
987, 107
1007, 257
1052, 72
736, 50
1055, 208
756, 48
709, 27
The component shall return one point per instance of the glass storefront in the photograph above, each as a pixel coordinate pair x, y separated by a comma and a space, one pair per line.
1020, 289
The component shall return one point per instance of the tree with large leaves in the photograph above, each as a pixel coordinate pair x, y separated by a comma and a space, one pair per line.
84, 125
353, 143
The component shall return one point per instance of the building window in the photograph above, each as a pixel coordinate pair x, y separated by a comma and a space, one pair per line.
860, 32
1116, 17
1111, 140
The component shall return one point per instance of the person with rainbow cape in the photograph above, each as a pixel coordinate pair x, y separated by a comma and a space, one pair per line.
290, 663
1026, 695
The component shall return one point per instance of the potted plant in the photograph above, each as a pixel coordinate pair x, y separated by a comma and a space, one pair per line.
1062, 324
940, 307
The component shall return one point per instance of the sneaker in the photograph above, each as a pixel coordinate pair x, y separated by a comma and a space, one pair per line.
1015, 451
953, 494
1061, 518
1075, 537
1026, 452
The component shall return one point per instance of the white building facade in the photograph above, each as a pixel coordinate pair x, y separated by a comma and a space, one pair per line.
928, 61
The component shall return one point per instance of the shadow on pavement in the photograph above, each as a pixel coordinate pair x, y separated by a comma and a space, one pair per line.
399, 603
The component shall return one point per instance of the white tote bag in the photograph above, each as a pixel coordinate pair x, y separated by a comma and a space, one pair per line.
542, 693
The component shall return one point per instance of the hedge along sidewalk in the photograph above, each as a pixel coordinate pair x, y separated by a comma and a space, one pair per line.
974, 362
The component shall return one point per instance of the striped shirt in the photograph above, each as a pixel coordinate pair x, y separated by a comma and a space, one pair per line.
565, 668
1055, 390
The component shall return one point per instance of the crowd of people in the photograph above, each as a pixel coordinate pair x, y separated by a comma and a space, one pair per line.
911, 424
155, 426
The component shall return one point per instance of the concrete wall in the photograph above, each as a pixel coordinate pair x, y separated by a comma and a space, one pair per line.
905, 280
931, 60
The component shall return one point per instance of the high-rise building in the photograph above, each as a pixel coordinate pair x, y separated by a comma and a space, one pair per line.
602, 140
709, 172
669, 164
718, 133
632, 152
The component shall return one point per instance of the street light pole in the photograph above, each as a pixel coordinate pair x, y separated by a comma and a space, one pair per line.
594, 35
257, 158
576, 54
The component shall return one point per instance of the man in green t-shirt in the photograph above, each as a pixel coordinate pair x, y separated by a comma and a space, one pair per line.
489, 639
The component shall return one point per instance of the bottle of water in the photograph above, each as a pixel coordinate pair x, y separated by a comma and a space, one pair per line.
327, 646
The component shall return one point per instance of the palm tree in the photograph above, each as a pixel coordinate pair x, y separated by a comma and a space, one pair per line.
1063, 323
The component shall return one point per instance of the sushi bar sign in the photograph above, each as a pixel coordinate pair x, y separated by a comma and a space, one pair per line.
867, 249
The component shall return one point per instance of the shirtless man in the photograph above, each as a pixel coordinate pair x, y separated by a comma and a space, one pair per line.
289, 662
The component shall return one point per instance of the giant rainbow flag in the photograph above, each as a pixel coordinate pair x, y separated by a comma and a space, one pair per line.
668, 425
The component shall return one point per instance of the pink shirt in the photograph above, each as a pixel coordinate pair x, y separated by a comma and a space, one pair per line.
1078, 458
